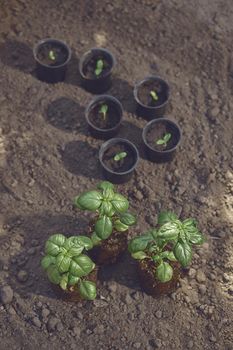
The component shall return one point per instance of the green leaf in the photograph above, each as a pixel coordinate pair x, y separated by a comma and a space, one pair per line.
190, 222
103, 227
73, 247
171, 256
81, 265
72, 280
99, 67
120, 156
53, 274
119, 226
63, 262
139, 243
196, 238
47, 261
160, 142
128, 219
108, 194
95, 239
139, 255
106, 208
89, 200
54, 244
164, 272
165, 217
82, 241
120, 203
87, 290
64, 281
105, 185
183, 253
167, 137
168, 231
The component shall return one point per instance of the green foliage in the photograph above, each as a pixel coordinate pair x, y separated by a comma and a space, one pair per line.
154, 95
171, 241
163, 141
99, 67
66, 265
103, 110
120, 156
111, 208
52, 55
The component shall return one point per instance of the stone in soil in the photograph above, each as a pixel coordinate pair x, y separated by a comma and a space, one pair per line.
22, 276
200, 276
6, 294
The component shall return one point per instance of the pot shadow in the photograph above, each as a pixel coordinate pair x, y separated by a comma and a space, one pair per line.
18, 55
123, 91
73, 76
79, 158
35, 230
65, 114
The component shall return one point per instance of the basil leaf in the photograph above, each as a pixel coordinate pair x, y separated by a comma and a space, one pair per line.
128, 219
82, 241
63, 262
53, 274
103, 227
105, 185
47, 261
139, 255
164, 272
87, 290
183, 253
108, 194
165, 217
139, 243
64, 281
54, 244
168, 231
89, 200
119, 226
95, 239
72, 280
120, 203
73, 247
106, 208
196, 238
81, 265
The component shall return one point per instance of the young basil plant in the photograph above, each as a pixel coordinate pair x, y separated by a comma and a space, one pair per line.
111, 210
67, 266
154, 95
120, 156
164, 140
99, 67
172, 240
52, 55
103, 110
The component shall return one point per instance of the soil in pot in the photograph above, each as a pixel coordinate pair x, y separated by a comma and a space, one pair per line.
108, 121
121, 165
52, 54
72, 294
144, 93
147, 270
89, 66
157, 132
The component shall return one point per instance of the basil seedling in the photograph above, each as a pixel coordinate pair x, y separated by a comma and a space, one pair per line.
111, 209
99, 67
154, 95
171, 241
103, 110
52, 55
120, 156
164, 140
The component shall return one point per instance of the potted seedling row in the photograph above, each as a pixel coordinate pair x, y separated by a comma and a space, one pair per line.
104, 115
72, 273
109, 226
95, 68
118, 158
163, 252
161, 138
151, 95
52, 57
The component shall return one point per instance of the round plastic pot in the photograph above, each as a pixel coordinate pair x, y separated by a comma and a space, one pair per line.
153, 287
51, 74
97, 85
110, 175
96, 131
151, 112
160, 156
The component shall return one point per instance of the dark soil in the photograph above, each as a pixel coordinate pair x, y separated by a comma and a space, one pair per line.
72, 294
189, 43
121, 165
147, 271
111, 119
157, 131
111, 249
144, 93
60, 53
89, 66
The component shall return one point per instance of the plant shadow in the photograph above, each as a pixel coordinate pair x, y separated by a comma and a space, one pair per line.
17, 55
79, 158
123, 91
65, 114
35, 230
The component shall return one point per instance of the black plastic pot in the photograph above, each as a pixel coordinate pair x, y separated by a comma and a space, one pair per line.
150, 112
114, 176
112, 102
51, 73
102, 83
161, 156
